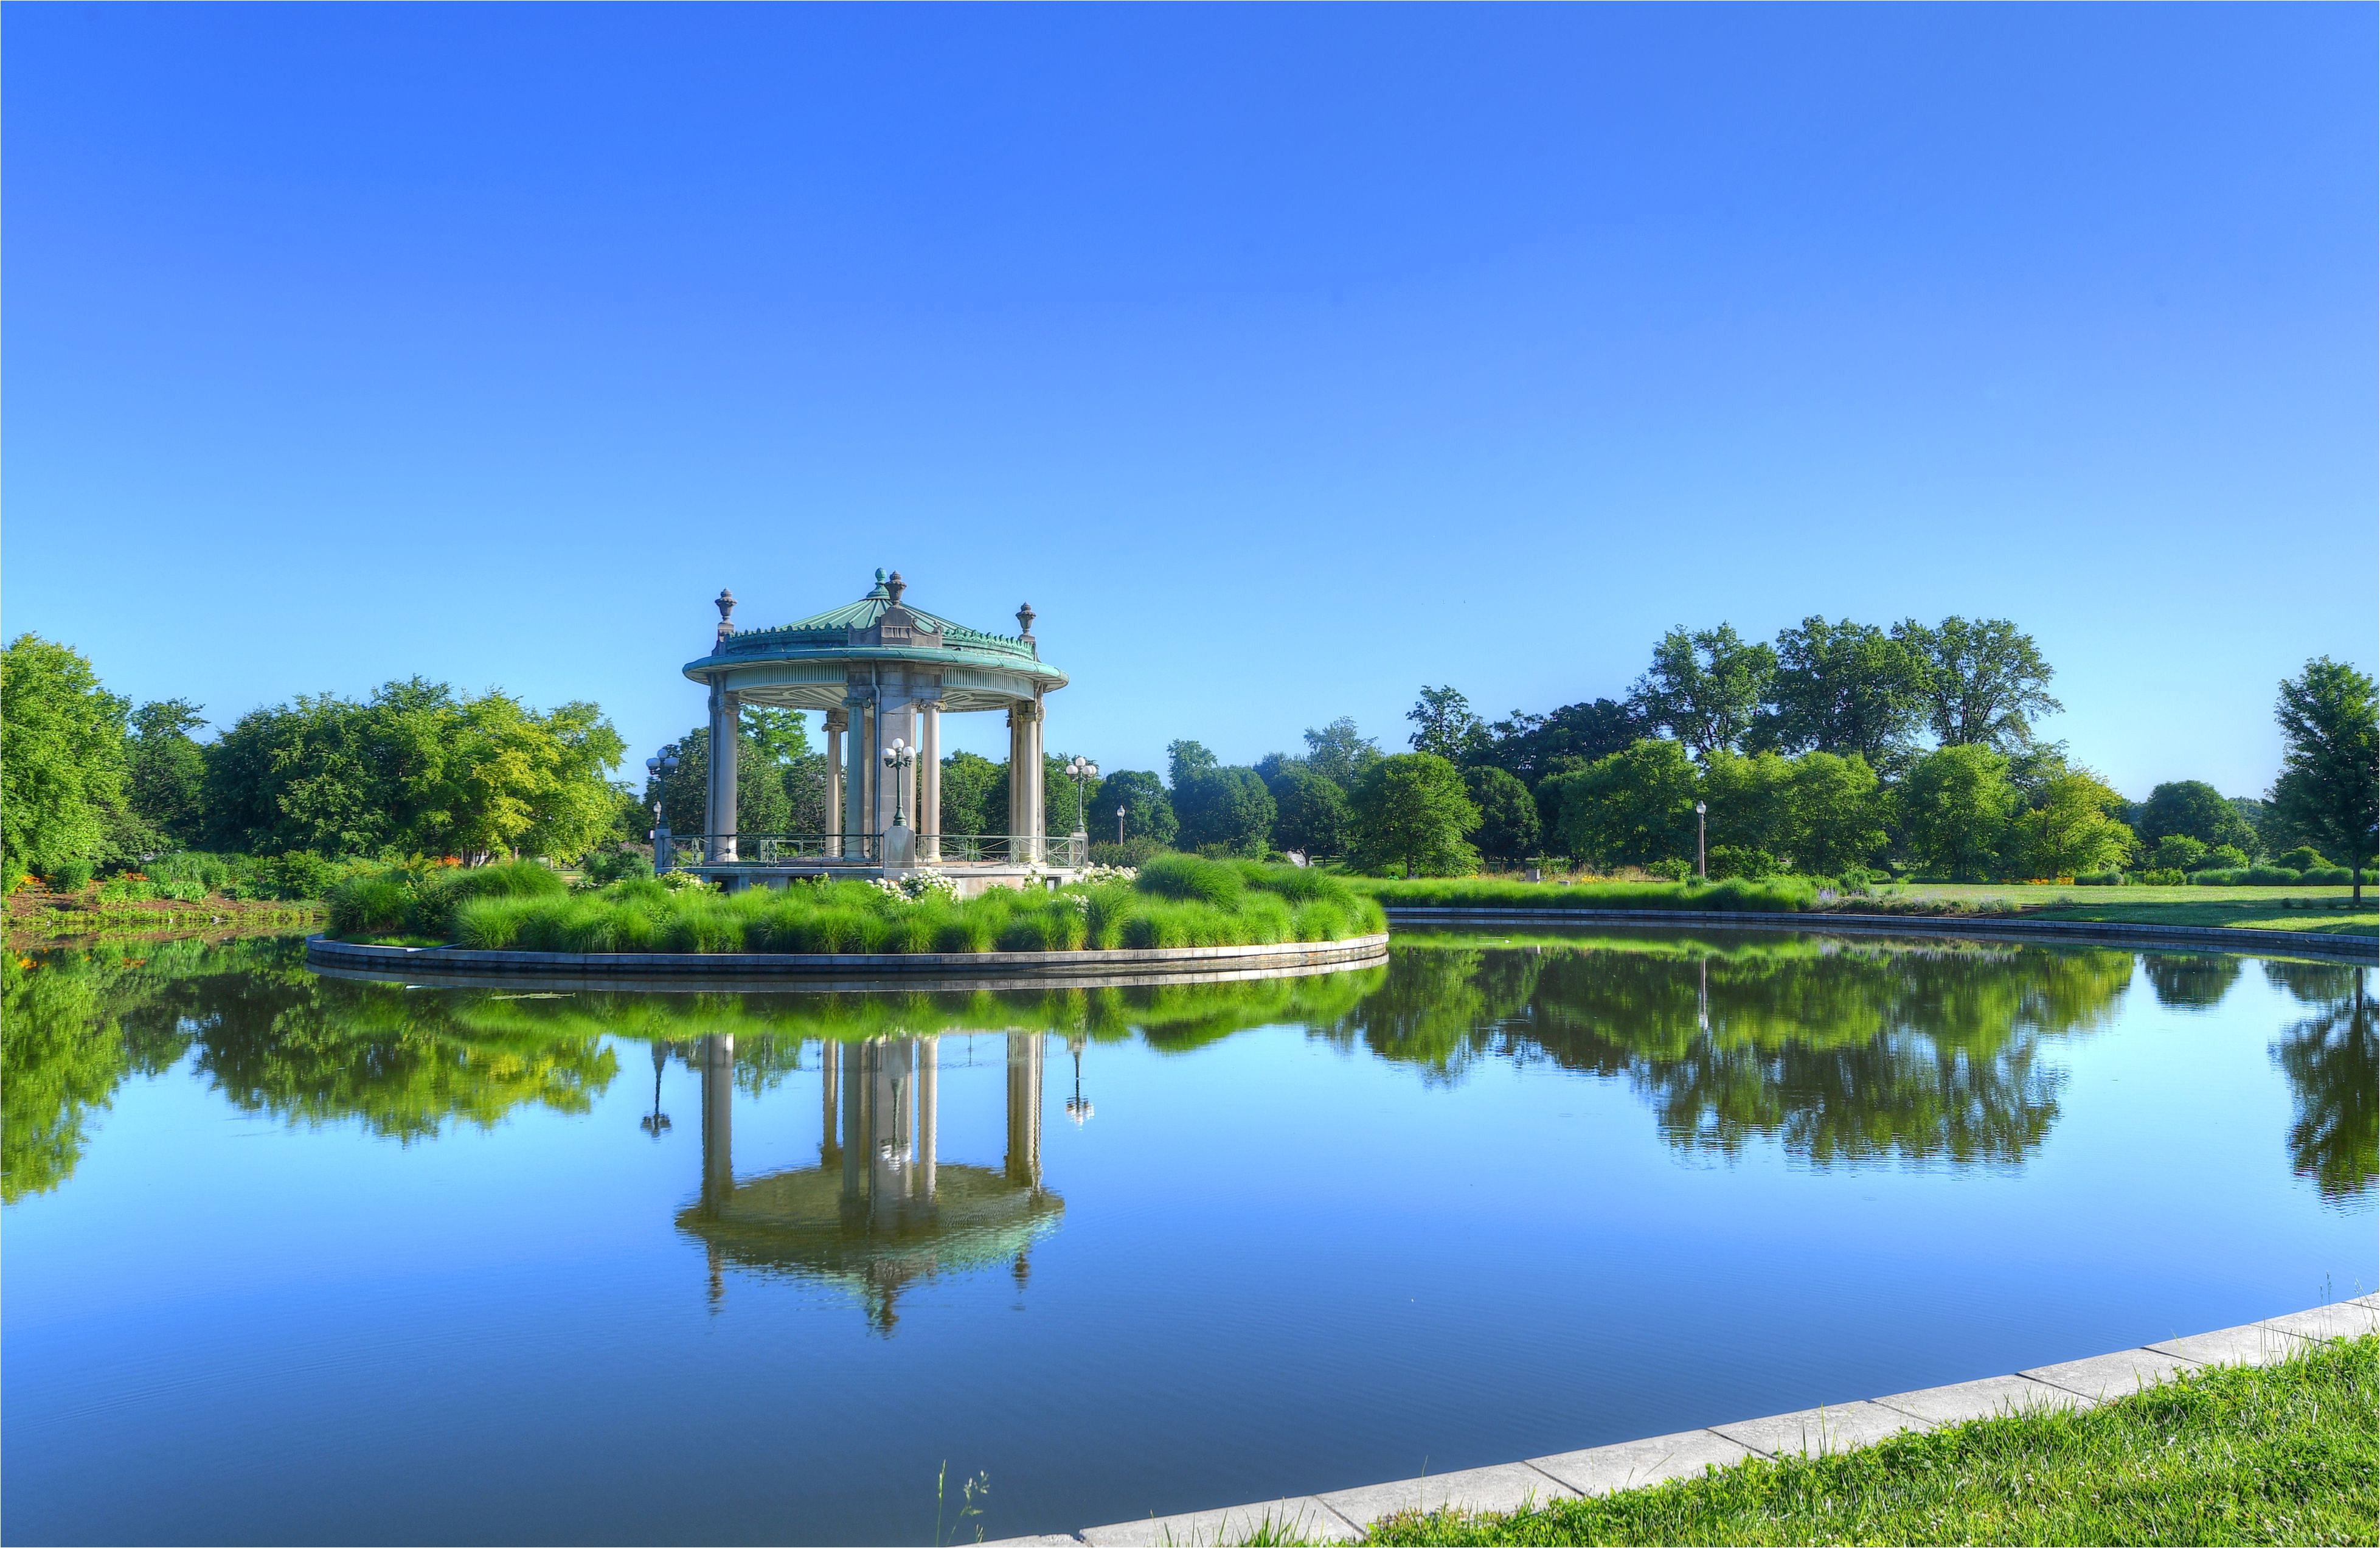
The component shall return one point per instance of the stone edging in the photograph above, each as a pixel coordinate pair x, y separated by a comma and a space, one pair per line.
2356, 948
2081, 1383
707, 971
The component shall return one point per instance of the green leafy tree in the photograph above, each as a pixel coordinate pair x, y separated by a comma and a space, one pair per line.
1845, 688
1633, 808
1186, 760
1705, 687
1223, 811
2330, 761
1445, 727
167, 772
1750, 811
1412, 810
1340, 754
1509, 828
2196, 809
62, 759
1311, 812
1985, 681
975, 795
2178, 851
1530, 747
1956, 809
2071, 827
1834, 812
1148, 814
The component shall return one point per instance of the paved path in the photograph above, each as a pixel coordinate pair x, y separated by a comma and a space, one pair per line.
2079, 1383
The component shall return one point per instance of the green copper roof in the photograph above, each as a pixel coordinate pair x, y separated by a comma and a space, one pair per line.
881, 624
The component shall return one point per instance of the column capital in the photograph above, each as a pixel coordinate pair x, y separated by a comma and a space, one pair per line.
1027, 709
838, 720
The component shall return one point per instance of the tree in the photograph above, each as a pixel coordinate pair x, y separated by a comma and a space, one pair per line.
1311, 812
1338, 754
2329, 763
2196, 809
1834, 812
2178, 851
1843, 688
1509, 827
166, 771
1705, 687
1146, 814
1445, 727
1985, 683
1956, 807
1530, 747
1633, 808
1185, 761
1412, 810
2072, 829
975, 796
1749, 810
1223, 810
62, 759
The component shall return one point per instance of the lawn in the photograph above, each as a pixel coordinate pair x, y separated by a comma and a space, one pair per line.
2283, 1453
2325, 910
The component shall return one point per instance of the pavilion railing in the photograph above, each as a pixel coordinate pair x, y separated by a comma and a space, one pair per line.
932, 850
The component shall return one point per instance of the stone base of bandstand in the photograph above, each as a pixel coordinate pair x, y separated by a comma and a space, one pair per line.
972, 881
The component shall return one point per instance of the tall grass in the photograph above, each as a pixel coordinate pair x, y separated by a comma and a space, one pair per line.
1188, 902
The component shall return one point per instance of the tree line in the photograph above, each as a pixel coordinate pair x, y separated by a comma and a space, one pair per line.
91, 781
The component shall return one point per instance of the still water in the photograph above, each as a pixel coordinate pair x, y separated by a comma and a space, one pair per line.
296, 1260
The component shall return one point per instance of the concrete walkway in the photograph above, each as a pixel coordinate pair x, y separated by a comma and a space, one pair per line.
2080, 1384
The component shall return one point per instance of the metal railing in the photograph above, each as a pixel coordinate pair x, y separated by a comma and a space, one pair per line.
1058, 850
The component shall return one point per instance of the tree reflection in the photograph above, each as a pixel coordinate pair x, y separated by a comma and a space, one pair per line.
2333, 1064
2197, 982
1839, 1051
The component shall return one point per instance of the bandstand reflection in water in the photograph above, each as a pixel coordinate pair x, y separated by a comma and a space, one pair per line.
881, 1210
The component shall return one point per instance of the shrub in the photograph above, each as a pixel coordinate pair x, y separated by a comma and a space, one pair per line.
2224, 857
1669, 870
2101, 878
616, 864
439, 900
1188, 877
1131, 852
374, 903
2161, 877
2305, 856
2326, 875
1736, 860
69, 877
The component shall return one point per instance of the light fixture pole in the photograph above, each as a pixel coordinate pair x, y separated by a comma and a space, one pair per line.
898, 759
659, 766
1082, 770
1702, 851
1119, 823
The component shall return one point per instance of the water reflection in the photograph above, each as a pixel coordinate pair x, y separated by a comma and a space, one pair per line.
2333, 1064
1840, 1052
881, 1210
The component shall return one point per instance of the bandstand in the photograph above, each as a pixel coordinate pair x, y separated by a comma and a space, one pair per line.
881, 674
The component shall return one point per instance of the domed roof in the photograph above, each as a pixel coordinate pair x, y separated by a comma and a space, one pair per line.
880, 627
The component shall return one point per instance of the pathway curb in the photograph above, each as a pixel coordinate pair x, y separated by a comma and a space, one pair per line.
1343, 1515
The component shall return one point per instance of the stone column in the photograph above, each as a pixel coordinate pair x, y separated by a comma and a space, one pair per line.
1035, 786
1016, 789
930, 1071
855, 784
836, 720
718, 792
929, 780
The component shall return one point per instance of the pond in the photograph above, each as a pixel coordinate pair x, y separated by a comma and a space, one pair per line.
289, 1259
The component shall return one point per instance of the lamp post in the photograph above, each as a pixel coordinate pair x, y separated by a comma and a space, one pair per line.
658, 767
1077, 1108
1702, 852
1081, 771
1119, 824
898, 759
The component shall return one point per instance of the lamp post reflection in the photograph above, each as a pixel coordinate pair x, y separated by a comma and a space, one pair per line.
882, 1209
657, 1123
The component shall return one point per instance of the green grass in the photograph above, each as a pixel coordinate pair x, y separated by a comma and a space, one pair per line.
2286, 1454
1176, 901
1775, 894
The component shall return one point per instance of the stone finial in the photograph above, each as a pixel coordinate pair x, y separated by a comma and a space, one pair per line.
1025, 622
726, 604
896, 585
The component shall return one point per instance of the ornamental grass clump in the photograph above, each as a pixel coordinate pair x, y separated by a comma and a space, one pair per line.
1175, 901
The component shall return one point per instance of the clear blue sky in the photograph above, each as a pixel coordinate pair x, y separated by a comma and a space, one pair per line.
1285, 359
